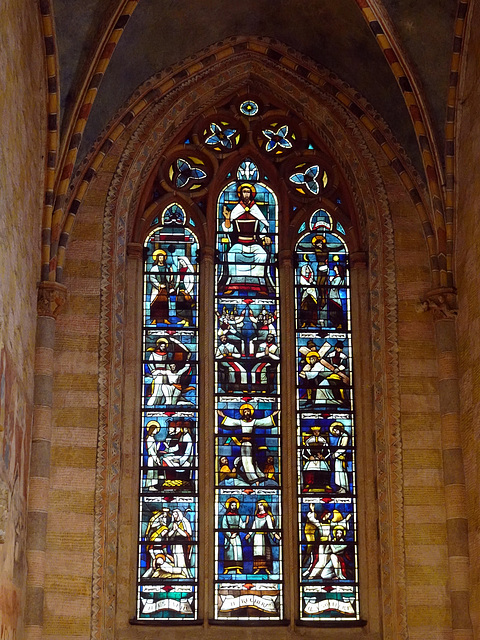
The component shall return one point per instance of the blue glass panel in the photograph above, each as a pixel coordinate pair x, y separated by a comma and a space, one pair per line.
168, 531
325, 427
167, 602
249, 108
248, 556
309, 178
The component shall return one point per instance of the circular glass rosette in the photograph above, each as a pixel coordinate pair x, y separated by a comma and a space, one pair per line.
249, 108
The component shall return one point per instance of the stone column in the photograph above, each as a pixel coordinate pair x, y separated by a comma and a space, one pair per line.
207, 418
288, 432
370, 529
443, 304
51, 297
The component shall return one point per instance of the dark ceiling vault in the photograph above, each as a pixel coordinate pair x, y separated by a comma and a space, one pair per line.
161, 33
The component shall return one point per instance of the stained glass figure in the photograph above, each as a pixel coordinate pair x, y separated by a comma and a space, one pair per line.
168, 536
249, 108
325, 427
248, 565
247, 212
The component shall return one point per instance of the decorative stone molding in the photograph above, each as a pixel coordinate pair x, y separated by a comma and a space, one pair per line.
51, 298
443, 303
4, 508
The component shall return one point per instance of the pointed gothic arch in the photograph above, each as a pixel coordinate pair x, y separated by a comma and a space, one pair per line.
139, 152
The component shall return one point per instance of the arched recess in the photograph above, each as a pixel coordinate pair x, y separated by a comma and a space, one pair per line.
374, 304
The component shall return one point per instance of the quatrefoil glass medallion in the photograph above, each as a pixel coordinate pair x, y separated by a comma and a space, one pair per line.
223, 136
277, 138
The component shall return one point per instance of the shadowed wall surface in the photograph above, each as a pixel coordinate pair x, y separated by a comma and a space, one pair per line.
468, 264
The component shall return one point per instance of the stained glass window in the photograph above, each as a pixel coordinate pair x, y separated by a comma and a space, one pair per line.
248, 564
247, 206
168, 535
325, 426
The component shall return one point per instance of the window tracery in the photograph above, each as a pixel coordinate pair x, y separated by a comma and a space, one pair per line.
221, 162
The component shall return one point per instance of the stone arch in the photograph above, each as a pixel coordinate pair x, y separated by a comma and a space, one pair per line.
250, 58
359, 157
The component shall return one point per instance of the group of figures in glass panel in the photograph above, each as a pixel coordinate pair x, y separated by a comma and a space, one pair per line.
247, 356
326, 490
168, 556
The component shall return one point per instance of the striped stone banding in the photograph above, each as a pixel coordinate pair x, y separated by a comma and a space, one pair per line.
406, 82
450, 124
64, 173
453, 475
51, 297
53, 101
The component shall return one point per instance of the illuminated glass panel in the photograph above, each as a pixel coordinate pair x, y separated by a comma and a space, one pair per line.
221, 135
248, 554
168, 534
277, 138
249, 108
325, 426
309, 177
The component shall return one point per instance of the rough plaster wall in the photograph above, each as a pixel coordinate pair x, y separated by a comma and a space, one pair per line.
467, 280
22, 135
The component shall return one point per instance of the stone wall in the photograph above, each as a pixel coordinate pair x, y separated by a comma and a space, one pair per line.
425, 532
73, 510
467, 280
70, 530
22, 132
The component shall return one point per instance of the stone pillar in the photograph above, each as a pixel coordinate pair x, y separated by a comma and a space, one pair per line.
51, 297
206, 417
443, 304
288, 417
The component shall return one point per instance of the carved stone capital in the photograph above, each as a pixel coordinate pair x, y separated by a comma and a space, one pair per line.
443, 303
135, 250
51, 298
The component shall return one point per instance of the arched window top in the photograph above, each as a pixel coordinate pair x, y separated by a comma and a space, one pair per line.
293, 161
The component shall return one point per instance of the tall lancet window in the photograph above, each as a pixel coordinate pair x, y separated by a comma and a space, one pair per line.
248, 566
325, 425
168, 536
